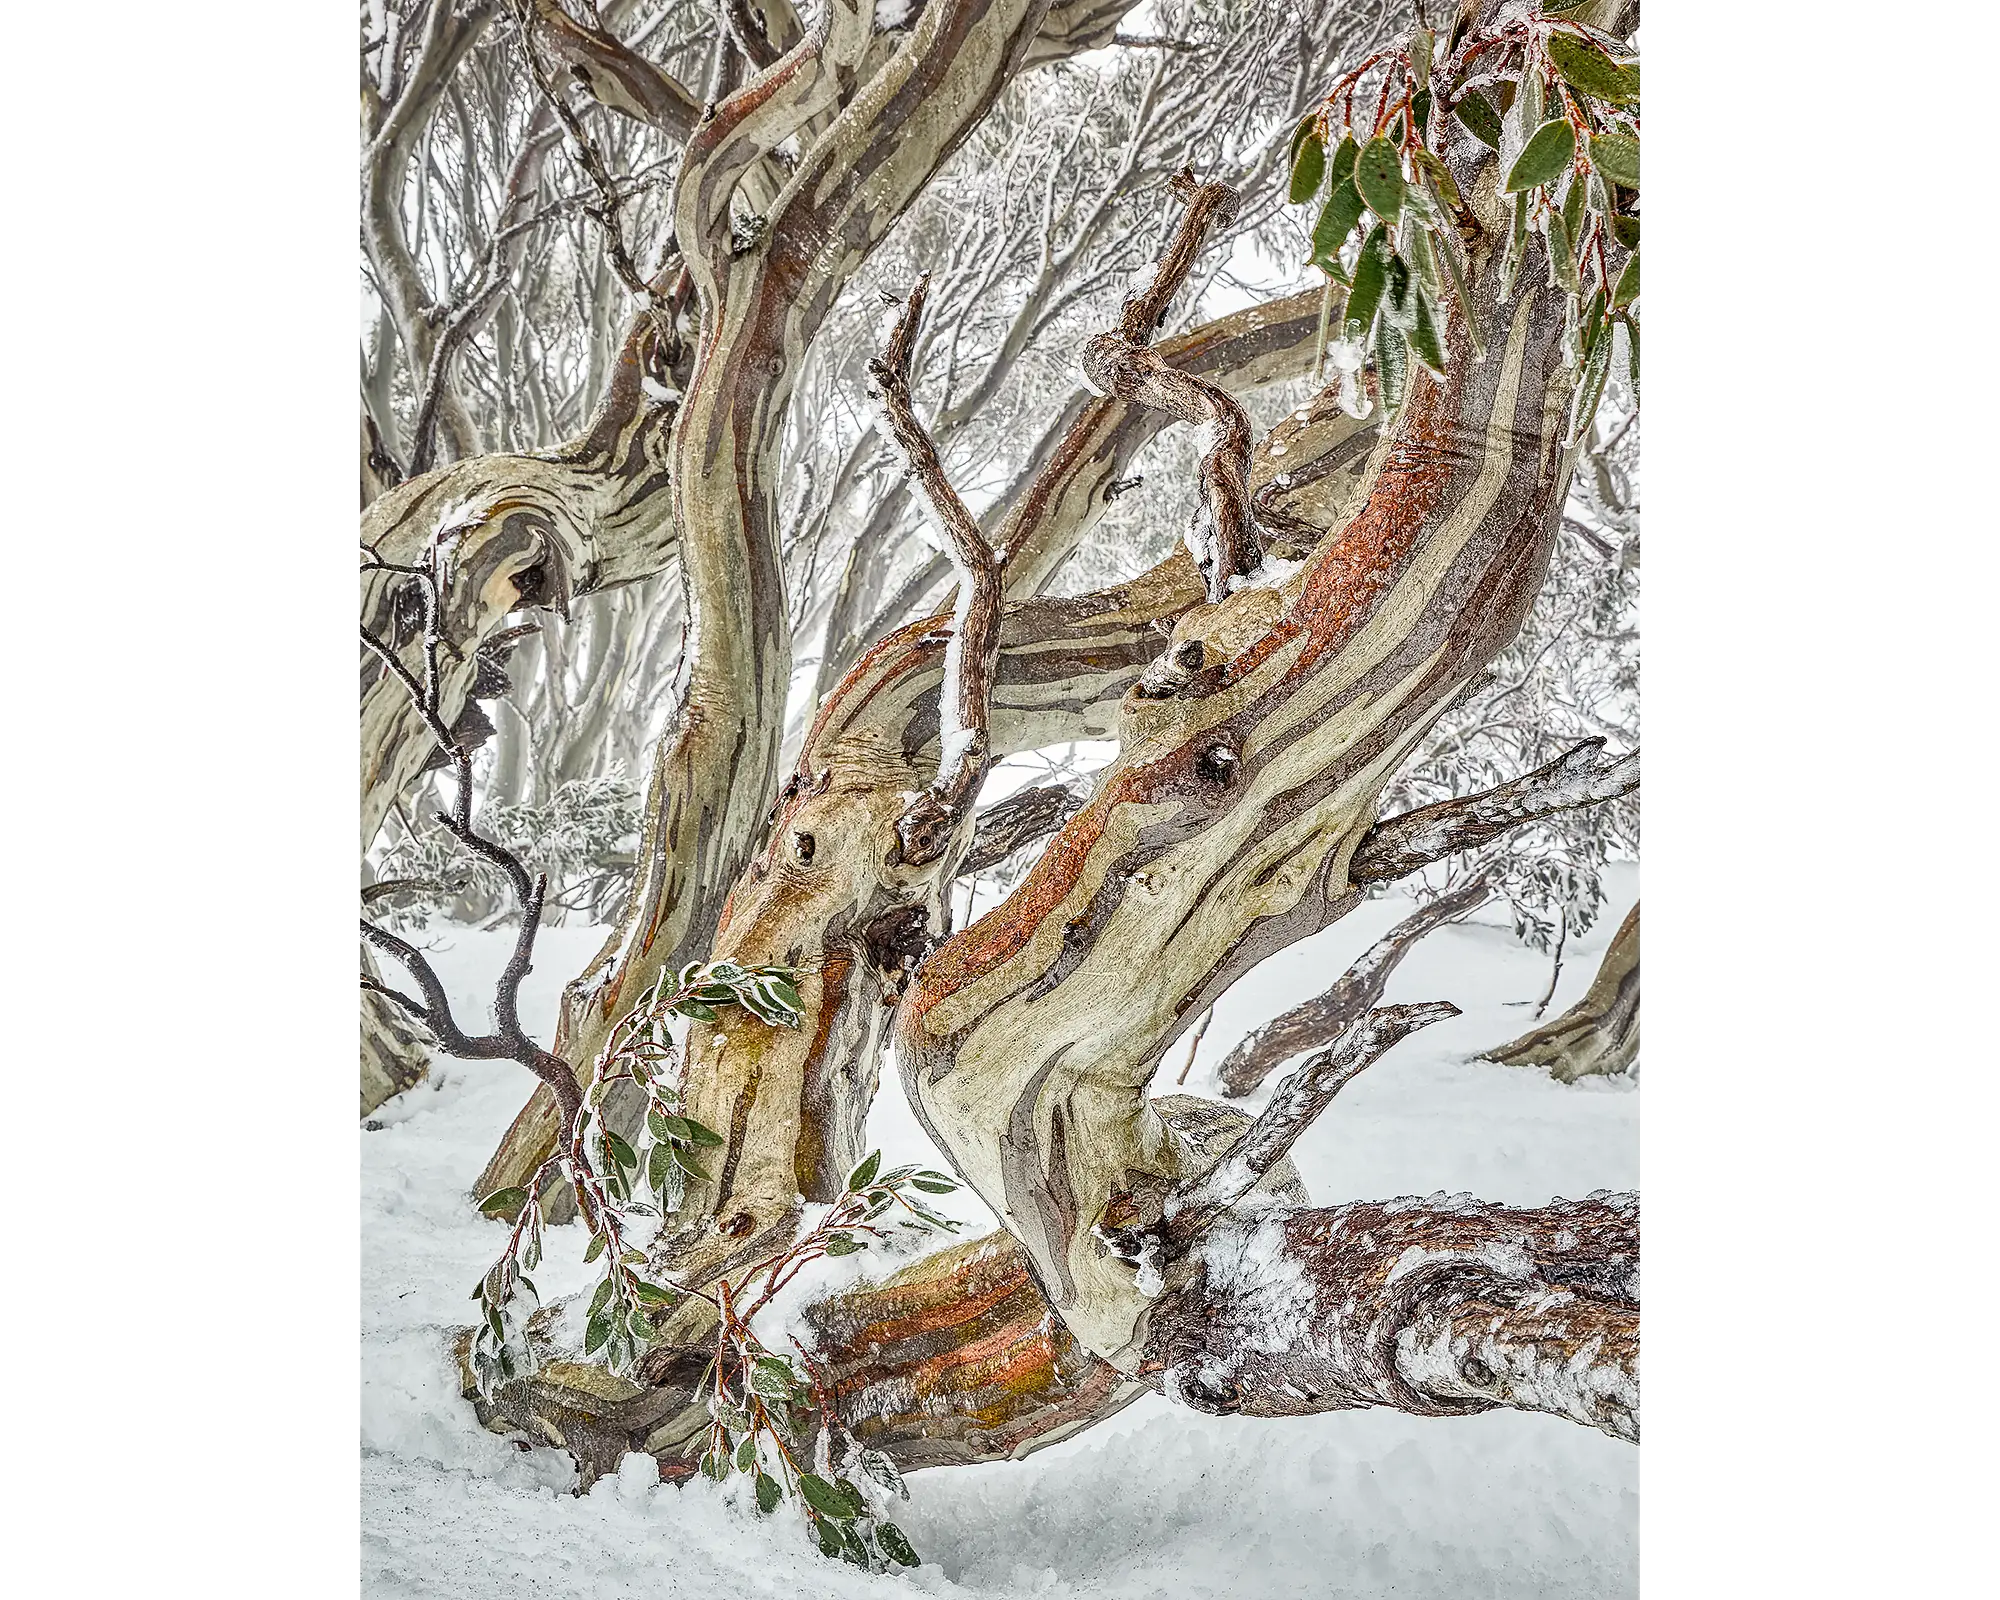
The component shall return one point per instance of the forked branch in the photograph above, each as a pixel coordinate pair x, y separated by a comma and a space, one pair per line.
1224, 539
1324, 1018
509, 1041
973, 652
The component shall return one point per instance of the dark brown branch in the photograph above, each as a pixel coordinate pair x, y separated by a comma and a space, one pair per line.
973, 653
1325, 1017
1584, 775
509, 1041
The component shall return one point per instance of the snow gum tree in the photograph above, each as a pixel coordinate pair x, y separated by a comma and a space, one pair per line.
1468, 182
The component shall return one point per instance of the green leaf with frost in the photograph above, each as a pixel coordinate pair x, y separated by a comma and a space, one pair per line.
1480, 119
1544, 158
768, 1493
1378, 174
894, 1545
824, 1498
1371, 276
1627, 288
505, 1203
1616, 155
1308, 167
1590, 71
864, 1174
1426, 342
1336, 221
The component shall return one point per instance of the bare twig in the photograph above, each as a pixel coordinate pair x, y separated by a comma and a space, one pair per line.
1225, 538
1194, 1044
509, 1041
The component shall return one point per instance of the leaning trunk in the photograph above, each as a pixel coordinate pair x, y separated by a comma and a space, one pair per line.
1599, 1035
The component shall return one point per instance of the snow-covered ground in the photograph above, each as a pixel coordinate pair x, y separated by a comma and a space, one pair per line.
1157, 1502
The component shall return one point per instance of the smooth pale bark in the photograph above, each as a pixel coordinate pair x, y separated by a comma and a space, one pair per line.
1226, 827
1255, 741
1064, 663
1597, 1036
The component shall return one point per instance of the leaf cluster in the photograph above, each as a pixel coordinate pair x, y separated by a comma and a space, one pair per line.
1390, 230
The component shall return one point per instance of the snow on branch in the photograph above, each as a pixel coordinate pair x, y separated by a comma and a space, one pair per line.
973, 652
1324, 1018
1224, 539
1584, 775
1359, 1037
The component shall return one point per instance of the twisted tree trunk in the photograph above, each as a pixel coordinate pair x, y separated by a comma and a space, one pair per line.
1599, 1035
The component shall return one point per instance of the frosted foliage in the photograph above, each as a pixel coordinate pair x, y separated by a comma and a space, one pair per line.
583, 838
1573, 673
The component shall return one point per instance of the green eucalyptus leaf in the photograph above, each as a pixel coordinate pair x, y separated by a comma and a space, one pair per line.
701, 1133
687, 1163
1340, 166
1562, 254
1392, 364
1480, 119
1544, 158
1441, 179
1632, 352
1591, 71
841, 1244
1308, 167
1573, 205
1626, 231
1422, 41
505, 1203
595, 1248
864, 1174
1378, 174
1616, 155
746, 1453
1426, 341
773, 1378
604, 1293
598, 1330
1627, 288
621, 1152
768, 1493
824, 1498
894, 1545
1336, 221
698, 1011
1371, 275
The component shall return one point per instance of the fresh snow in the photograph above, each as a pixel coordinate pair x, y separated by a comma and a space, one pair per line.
1159, 1501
